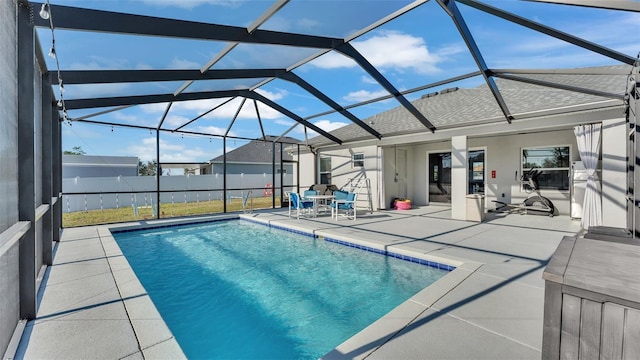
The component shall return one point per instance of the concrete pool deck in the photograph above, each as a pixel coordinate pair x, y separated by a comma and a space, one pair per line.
92, 306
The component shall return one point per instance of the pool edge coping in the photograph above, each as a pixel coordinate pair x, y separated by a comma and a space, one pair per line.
141, 311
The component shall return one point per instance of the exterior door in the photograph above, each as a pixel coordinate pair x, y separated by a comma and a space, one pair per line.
401, 173
440, 177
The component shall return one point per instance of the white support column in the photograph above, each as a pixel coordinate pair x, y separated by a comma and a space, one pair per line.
459, 174
614, 173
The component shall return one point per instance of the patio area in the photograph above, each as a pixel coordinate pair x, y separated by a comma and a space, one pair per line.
491, 306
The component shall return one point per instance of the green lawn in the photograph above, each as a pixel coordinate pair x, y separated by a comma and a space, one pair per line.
123, 214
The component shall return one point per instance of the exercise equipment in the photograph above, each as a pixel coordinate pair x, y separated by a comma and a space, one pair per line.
535, 204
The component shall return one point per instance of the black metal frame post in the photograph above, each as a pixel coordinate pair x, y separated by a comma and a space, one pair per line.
224, 172
47, 170
158, 174
26, 163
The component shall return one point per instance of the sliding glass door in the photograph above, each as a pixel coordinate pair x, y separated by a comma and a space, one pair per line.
476, 172
440, 175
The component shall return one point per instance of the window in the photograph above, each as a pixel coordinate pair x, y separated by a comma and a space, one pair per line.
325, 170
281, 171
357, 160
554, 163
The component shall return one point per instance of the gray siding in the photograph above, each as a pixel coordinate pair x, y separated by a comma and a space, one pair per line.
85, 166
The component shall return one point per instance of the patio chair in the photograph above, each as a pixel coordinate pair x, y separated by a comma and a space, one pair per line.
345, 203
309, 193
298, 205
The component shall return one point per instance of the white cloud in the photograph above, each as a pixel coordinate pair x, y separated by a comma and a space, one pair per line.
388, 50
214, 130
284, 122
169, 152
307, 23
190, 4
154, 108
132, 119
273, 96
451, 49
279, 23
194, 108
326, 125
364, 95
178, 63
333, 60
99, 63
176, 120
80, 133
368, 80
145, 150
396, 50
284, 24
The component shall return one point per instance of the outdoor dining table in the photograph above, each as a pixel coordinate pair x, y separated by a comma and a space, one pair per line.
318, 199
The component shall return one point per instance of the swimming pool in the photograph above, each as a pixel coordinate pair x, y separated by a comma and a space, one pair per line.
239, 290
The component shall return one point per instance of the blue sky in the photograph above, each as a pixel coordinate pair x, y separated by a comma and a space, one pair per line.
418, 48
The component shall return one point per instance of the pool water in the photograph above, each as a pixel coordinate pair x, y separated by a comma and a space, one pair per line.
239, 290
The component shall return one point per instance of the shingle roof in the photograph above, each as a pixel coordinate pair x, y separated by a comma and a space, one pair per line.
258, 151
477, 105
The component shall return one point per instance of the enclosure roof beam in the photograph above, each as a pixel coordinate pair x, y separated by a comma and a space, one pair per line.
289, 76
404, 92
204, 114
549, 31
74, 104
73, 18
254, 95
125, 76
560, 86
452, 9
233, 120
351, 52
132, 76
624, 5
255, 105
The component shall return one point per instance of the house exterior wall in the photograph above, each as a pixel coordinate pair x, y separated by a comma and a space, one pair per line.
393, 186
9, 258
459, 177
342, 171
307, 166
502, 154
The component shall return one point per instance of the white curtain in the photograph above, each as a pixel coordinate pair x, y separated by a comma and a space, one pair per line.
588, 138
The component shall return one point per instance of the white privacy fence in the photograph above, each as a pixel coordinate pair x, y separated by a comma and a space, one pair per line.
82, 194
